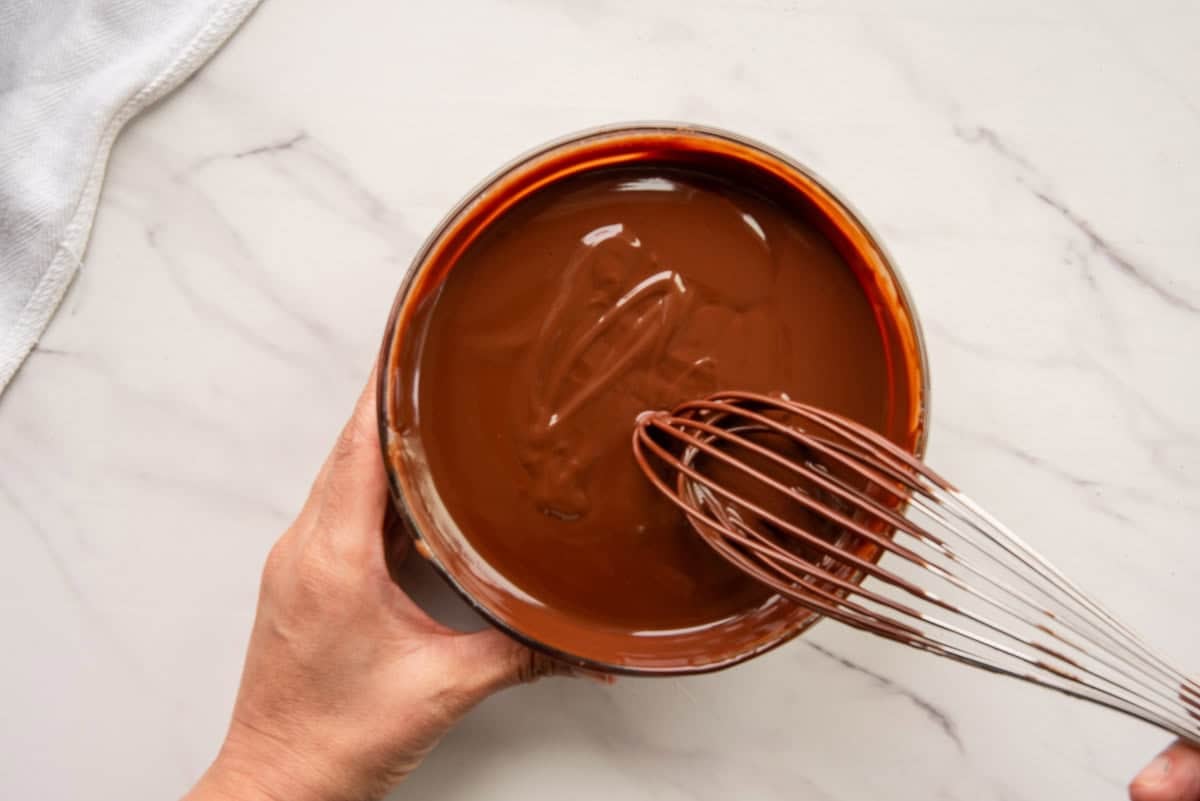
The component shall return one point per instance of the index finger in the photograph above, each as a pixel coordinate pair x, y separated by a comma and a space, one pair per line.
351, 490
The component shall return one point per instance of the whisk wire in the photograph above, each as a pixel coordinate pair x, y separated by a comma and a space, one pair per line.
872, 493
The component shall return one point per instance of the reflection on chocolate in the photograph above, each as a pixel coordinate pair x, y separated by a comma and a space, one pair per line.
600, 296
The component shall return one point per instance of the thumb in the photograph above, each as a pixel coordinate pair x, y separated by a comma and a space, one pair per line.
1174, 775
354, 478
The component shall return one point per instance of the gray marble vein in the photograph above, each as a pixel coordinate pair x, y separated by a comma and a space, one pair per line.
1114, 257
940, 719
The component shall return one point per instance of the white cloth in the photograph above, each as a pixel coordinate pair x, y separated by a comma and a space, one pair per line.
72, 73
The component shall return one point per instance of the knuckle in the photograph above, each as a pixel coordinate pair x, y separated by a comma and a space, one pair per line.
275, 566
298, 574
314, 576
339, 542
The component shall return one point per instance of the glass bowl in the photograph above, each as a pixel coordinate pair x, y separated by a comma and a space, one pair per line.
434, 531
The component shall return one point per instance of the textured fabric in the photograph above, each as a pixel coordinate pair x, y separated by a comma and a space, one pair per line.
72, 73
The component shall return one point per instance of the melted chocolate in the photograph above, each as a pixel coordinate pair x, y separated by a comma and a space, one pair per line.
591, 300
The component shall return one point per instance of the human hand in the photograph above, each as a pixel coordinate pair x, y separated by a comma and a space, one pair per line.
1174, 775
347, 683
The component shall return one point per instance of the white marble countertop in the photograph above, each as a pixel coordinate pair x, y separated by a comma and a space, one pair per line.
1032, 165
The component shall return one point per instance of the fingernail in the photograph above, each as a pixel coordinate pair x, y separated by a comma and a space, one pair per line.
1156, 772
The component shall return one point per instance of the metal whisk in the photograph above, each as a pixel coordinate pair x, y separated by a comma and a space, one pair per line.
807, 502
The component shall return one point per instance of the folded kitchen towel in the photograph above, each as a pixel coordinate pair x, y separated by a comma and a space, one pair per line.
72, 73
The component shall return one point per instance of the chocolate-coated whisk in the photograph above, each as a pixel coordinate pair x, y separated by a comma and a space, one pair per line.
804, 501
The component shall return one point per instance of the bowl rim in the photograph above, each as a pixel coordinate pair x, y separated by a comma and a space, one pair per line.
420, 259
